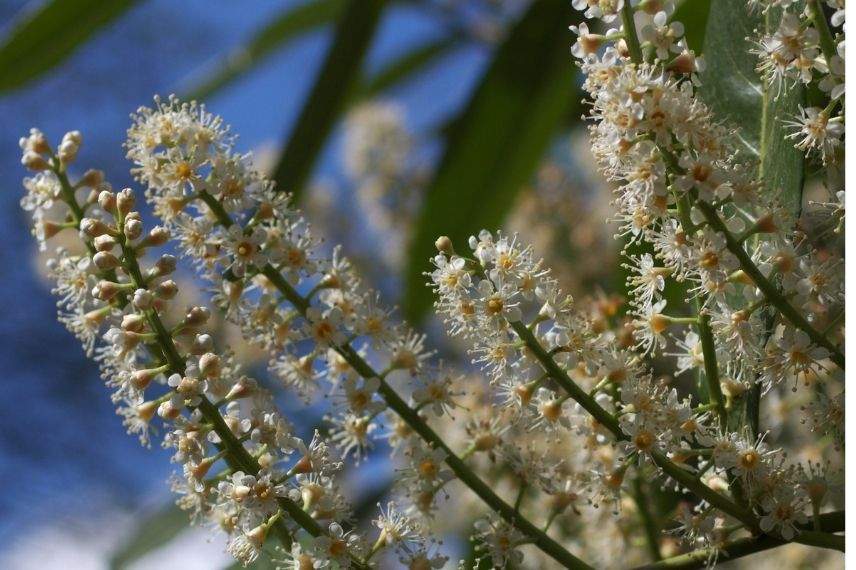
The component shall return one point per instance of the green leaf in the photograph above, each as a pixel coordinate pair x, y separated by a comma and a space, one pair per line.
332, 91
273, 37
404, 67
735, 92
49, 35
152, 533
499, 140
693, 15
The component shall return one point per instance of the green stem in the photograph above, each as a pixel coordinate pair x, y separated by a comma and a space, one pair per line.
630, 37
711, 369
827, 42
417, 424
652, 533
767, 288
831, 522
674, 471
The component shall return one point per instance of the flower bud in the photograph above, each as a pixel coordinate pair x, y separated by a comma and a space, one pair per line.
93, 227
243, 387
105, 290
210, 365
34, 161
142, 378
444, 245
143, 299
104, 242
67, 151
146, 411
166, 290
133, 228
197, 316
107, 200
202, 343
168, 411
92, 178
133, 322
104, 260
125, 201
165, 265
74, 137
157, 236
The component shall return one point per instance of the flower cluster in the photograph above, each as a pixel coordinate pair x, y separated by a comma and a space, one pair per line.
765, 294
805, 50
163, 368
571, 411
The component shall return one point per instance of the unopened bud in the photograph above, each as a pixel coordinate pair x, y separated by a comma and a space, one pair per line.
73, 137
67, 151
105, 290
165, 265
92, 178
133, 228
210, 365
168, 411
125, 201
133, 322
104, 242
202, 343
146, 411
243, 387
34, 161
105, 261
142, 378
166, 290
143, 299
444, 245
107, 200
93, 227
197, 316
157, 236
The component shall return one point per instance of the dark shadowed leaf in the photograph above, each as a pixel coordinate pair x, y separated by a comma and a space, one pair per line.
499, 140
153, 532
47, 36
273, 37
733, 89
333, 89
405, 67
693, 15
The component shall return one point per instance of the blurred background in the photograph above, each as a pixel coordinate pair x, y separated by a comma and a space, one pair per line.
391, 123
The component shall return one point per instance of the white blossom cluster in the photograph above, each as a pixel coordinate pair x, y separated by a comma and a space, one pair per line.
164, 370
806, 50
767, 298
570, 424
379, 160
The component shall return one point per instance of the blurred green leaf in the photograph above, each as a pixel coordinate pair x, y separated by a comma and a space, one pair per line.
333, 89
275, 36
693, 14
404, 67
50, 34
152, 532
735, 92
499, 140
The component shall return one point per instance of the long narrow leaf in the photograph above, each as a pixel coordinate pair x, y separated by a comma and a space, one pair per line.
330, 94
404, 67
152, 533
273, 37
733, 89
48, 36
500, 139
